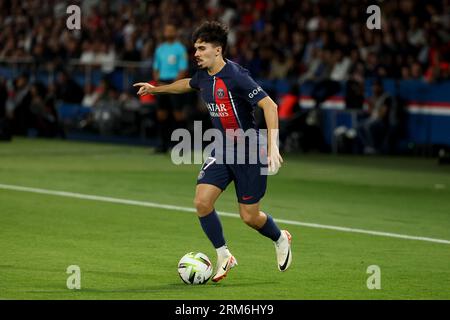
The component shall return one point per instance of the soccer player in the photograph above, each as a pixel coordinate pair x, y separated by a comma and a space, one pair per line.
231, 96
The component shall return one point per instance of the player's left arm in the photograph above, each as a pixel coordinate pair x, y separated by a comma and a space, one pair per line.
270, 109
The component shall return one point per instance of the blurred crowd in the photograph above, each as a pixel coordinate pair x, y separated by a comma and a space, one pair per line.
274, 39
320, 42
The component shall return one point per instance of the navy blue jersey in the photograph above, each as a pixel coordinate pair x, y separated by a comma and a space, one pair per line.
231, 96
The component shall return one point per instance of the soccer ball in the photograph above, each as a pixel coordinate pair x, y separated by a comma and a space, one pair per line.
195, 268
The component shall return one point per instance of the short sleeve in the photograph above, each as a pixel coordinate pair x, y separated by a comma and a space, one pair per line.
194, 82
249, 90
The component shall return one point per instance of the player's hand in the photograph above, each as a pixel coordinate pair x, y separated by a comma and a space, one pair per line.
144, 88
274, 159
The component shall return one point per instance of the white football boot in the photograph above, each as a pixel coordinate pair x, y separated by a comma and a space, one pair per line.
224, 264
283, 249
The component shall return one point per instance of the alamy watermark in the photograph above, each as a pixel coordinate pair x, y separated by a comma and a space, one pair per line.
73, 22
374, 281
374, 20
74, 280
234, 146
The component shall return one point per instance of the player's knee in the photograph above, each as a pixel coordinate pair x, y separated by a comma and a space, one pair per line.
248, 219
203, 206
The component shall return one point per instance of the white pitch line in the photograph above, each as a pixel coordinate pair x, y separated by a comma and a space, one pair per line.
227, 214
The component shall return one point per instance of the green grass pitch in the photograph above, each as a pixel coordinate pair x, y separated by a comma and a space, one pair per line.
131, 252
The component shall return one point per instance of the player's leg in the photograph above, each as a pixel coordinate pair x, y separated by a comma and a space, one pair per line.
251, 182
264, 224
205, 197
254, 218
212, 180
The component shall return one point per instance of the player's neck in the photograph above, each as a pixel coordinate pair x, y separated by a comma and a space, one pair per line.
215, 69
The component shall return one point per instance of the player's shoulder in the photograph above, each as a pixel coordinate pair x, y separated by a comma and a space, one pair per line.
237, 69
240, 75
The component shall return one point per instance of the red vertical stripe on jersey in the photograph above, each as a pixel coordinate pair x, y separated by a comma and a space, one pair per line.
230, 121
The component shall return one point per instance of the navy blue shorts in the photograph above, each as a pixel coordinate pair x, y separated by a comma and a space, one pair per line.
249, 181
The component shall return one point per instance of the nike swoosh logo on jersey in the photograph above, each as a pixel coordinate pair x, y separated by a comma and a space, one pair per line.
247, 197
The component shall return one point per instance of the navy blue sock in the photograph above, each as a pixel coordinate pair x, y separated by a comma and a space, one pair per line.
213, 228
270, 229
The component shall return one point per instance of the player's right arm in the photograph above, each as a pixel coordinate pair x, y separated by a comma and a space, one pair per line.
177, 87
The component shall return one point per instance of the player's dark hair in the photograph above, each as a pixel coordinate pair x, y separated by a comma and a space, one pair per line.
212, 32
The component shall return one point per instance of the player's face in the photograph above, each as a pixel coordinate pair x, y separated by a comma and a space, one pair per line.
206, 54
